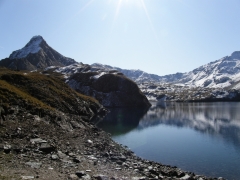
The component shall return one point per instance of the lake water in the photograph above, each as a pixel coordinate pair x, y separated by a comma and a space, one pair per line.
200, 137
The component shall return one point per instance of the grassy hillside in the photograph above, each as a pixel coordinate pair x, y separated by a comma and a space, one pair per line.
36, 90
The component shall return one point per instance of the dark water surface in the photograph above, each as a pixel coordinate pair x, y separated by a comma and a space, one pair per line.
199, 137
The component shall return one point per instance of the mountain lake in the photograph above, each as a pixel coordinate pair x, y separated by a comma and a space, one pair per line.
203, 138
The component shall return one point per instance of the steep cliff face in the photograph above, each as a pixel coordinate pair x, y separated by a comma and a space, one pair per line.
37, 54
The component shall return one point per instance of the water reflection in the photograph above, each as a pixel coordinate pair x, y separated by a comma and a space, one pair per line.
122, 120
199, 137
221, 119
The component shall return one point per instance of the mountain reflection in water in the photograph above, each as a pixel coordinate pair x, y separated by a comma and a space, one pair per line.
122, 120
199, 137
220, 119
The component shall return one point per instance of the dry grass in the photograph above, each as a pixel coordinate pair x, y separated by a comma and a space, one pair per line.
45, 91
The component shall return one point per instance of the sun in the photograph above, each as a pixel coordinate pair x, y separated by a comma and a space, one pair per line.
136, 3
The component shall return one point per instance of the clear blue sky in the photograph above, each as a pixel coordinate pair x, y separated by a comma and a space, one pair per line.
157, 36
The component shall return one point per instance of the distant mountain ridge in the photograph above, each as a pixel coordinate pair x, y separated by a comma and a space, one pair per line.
36, 54
217, 74
135, 75
221, 73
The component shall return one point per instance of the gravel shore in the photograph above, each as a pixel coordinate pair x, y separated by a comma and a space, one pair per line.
65, 146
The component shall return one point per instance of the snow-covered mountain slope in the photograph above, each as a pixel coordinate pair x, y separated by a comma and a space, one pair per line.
218, 74
33, 46
135, 75
36, 54
83, 68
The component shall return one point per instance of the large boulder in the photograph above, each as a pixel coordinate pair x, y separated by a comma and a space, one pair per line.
111, 90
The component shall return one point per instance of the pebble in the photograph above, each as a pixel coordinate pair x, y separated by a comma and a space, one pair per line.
35, 165
89, 141
80, 173
73, 177
27, 177
54, 157
185, 177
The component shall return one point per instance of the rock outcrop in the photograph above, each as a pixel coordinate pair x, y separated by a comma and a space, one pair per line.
111, 90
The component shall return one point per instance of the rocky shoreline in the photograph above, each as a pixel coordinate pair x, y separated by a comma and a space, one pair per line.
63, 146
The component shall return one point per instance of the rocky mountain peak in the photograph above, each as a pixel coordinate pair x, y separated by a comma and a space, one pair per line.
33, 46
36, 38
36, 54
235, 55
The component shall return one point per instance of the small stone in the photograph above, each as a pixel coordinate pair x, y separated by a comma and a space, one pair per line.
71, 154
122, 158
92, 158
47, 148
181, 174
73, 177
37, 140
35, 165
76, 160
125, 164
80, 173
150, 167
54, 157
27, 177
61, 155
7, 148
87, 177
89, 141
16, 148
154, 172
119, 162
106, 154
185, 177
100, 177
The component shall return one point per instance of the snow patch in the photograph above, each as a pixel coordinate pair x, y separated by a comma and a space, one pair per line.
32, 47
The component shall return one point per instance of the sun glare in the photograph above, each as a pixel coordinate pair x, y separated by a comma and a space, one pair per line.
136, 3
